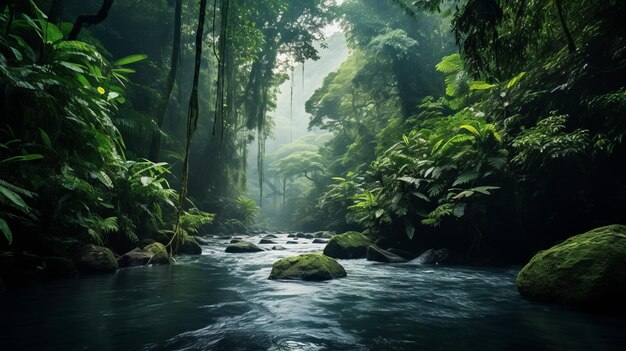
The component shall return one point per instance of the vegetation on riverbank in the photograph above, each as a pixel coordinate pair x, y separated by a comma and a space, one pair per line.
484, 130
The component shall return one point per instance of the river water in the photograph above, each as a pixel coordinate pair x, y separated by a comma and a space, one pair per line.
221, 301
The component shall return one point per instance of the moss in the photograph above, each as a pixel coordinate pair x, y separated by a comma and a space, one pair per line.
311, 267
243, 247
586, 270
161, 255
98, 259
348, 245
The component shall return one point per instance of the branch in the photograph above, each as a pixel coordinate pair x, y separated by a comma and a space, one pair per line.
88, 20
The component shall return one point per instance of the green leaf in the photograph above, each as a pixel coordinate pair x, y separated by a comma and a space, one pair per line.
470, 129
480, 85
410, 230
21, 158
45, 138
515, 79
129, 59
15, 199
379, 212
4, 228
83, 80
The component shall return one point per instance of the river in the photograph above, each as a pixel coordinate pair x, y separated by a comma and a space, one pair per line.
221, 301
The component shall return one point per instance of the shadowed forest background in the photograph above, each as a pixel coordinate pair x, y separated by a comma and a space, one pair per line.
494, 128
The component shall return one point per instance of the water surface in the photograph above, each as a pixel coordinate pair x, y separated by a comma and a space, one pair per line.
221, 301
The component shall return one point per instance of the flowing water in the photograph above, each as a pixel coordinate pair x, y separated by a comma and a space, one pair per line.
221, 301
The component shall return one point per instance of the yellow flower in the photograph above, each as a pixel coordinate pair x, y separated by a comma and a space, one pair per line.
101, 90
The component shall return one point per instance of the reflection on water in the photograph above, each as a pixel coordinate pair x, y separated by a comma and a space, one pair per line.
222, 301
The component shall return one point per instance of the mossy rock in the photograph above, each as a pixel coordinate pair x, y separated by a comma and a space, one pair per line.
189, 247
310, 267
135, 257
97, 259
586, 271
348, 245
243, 247
160, 252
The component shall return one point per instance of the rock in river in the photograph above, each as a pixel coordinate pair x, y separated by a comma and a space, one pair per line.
440, 256
97, 259
314, 267
348, 245
266, 241
278, 248
243, 247
320, 241
375, 253
270, 236
586, 270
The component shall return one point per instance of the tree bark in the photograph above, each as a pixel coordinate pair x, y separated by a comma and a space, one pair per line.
88, 20
570, 41
155, 144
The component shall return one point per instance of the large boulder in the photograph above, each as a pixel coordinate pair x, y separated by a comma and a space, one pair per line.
586, 271
313, 267
160, 253
440, 256
375, 253
97, 259
189, 246
155, 253
243, 247
135, 257
348, 245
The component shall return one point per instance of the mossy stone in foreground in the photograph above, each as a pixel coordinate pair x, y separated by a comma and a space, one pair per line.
312, 267
586, 270
160, 252
97, 259
243, 247
348, 245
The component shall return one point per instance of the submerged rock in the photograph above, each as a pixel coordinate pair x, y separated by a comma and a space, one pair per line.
320, 241
407, 255
278, 248
441, 256
97, 259
292, 242
586, 271
234, 241
266, 241
348, 245
243, 247
291, 235
375, 253
311, 267
270, 236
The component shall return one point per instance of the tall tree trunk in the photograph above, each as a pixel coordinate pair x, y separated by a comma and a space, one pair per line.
88, 20
155, 144
192, 116
570, 41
